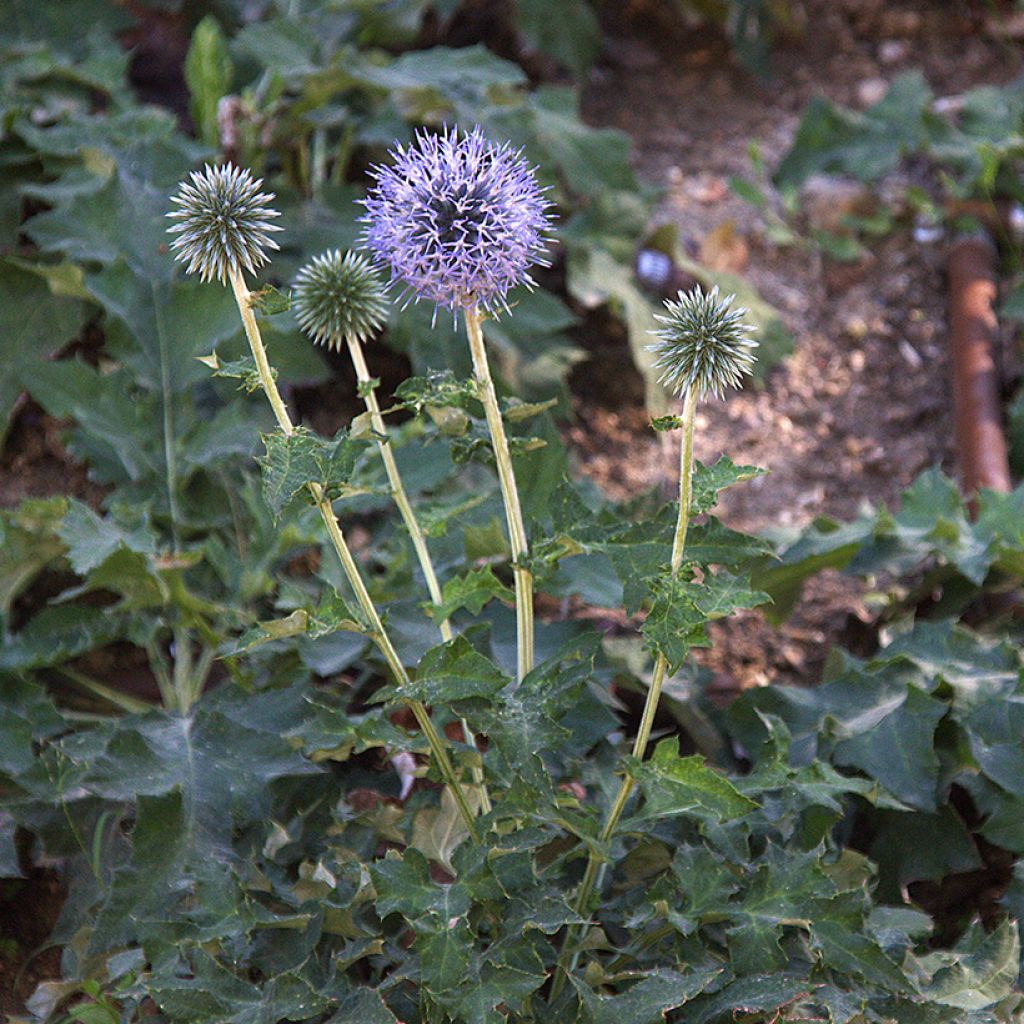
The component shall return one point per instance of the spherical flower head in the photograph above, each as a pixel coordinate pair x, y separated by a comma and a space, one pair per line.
705, 344
457, 219
337, 297
224, 222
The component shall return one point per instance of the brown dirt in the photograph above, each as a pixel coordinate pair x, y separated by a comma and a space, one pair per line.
28, 911
861, 406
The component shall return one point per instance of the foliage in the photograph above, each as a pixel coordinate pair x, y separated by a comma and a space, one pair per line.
266, 842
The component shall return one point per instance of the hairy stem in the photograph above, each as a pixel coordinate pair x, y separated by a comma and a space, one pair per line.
509, 495
348, 563
594, 873
419, 542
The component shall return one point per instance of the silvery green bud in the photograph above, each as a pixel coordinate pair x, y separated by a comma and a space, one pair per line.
224, 222
337, 297
704, 344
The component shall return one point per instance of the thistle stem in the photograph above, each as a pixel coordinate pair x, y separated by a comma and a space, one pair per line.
594, 873
348, 563
509, 495
419, 543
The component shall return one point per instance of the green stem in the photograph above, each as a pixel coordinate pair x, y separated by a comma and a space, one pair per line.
348, 563
594, 873
419, 542
509, 495
182, 645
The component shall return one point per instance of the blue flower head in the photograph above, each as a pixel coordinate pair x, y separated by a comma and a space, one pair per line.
458, 220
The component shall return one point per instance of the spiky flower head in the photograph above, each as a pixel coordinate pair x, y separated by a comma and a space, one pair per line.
224, 222
458, 220
337, 297
705, 344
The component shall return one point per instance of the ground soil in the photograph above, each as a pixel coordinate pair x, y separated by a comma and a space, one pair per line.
29, 908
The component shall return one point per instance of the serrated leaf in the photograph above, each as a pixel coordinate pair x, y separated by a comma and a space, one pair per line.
676, 785
764, 993
404, 885
90, 540
454, 671
654, 994
674, 623
709, 480
294, 461
980, 975
471, 591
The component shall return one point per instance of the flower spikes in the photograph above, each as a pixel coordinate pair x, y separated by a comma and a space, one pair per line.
339, 297
225, 222
457, 219
704, 344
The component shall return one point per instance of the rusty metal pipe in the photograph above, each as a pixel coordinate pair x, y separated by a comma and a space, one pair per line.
977, 409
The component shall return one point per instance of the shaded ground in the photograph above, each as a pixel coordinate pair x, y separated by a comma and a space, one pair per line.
862, 404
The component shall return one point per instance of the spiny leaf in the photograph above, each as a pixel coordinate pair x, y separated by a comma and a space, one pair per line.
673, 785
294, 461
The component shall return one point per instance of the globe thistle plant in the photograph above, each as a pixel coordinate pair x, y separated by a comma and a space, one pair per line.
225, 222
703, 348
341, 300
704, 345
458, 220
338, 298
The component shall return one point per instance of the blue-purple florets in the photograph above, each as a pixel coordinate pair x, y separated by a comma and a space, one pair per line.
458, 220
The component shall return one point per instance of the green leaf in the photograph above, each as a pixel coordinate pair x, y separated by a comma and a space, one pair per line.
35, 322
91, 540
709, 480
994, 731
438, 388
122, 220
208, 73
674, 623
864, 145
437, 832
294, 461
573, 39
675, 785
892, 739
196, 779
836, 932
763, 993
266, 632
920, 847
650, 999
470, 591
120, 435
28, 544
365, 1005
404, 886
9, 867
454, 671
57, 634
441, 80
981, 971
